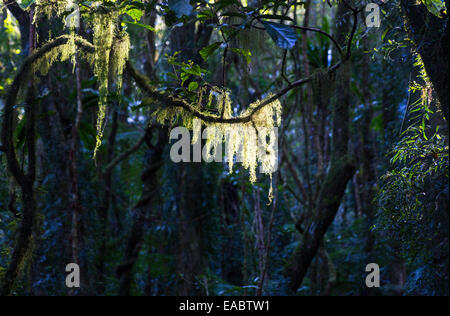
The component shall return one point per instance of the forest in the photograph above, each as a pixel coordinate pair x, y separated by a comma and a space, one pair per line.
224, 148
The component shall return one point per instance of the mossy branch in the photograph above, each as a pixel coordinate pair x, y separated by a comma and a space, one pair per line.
25, 179
173, 101
24, 71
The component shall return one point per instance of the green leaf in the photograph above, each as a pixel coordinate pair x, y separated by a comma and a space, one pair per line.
148, 27
205, 15
193, 86
283, 35
184, 76
244, 52
207, 51
194, 70
135, 14
180, 7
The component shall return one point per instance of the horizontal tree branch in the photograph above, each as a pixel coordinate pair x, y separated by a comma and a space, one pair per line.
172, 101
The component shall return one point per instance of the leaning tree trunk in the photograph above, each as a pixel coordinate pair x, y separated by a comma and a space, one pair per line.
26, 184
341, 170
24, 178
140, 212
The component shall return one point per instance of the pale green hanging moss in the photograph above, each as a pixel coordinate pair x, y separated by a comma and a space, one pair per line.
110, 53
104, 27
242, 138
119, 55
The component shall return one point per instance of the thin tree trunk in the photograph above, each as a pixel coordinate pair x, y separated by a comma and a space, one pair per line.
341, 170
104, 207
140, 212
73, 171
25, 179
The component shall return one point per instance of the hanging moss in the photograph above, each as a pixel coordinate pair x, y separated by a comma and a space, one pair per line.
119, 56
245, 136
104, 26
110, 51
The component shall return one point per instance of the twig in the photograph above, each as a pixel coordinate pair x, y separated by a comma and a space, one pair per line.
283, 67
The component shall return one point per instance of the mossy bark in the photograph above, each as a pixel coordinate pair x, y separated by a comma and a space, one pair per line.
431, 38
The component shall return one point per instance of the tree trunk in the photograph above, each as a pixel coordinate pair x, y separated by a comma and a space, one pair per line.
430, 36
140, 212
341, 170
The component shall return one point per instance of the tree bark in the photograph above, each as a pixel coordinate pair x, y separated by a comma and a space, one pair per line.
341, 170
430, 36
26, 183
140, 212
25, 178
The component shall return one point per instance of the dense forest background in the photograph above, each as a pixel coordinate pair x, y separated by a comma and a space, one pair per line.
85, 169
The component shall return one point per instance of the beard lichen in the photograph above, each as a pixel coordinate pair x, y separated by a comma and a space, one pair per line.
119, 55
253, 142
110, 56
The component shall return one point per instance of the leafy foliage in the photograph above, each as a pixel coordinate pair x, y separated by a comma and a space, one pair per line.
195, 229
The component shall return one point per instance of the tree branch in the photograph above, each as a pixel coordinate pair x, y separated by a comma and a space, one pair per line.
24, 20
7, 131
21, 15
172, 101
123, 155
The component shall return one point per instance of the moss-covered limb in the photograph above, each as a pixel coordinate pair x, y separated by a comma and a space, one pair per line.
23, 245
22, 74
25, 179
173, 101
252, 128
